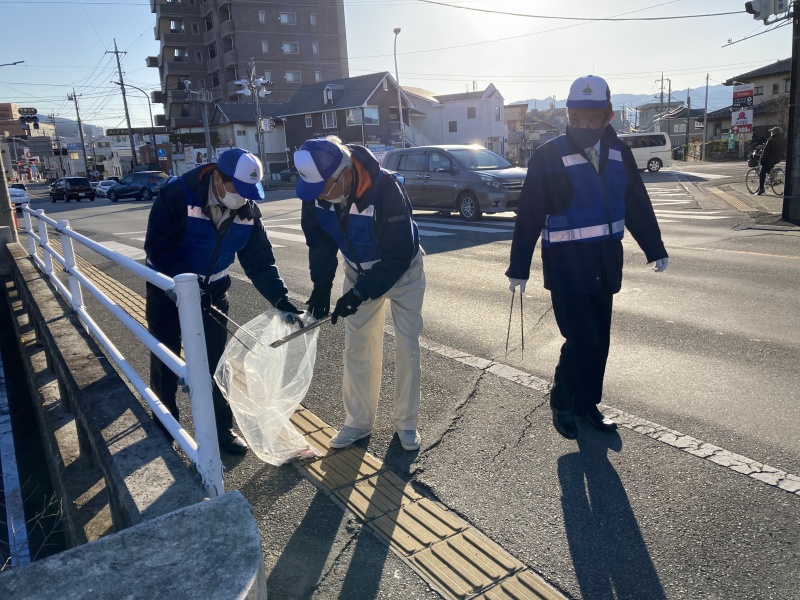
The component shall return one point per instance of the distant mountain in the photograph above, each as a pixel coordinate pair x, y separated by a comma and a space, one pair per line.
68, 130
719, 96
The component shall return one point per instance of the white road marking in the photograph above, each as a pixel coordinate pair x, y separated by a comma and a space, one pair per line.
433, 221
704, 175
700, 217
129, 251
289, 237
478, 228
130, 233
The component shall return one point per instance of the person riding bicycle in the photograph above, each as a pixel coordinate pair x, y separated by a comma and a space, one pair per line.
774, 152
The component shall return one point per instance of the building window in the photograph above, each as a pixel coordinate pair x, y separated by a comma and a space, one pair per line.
290, 47
328, 120
776, 89
371, 115
679, 128
198, 56
314, 47
195, 29
288, 19
472, 112
262, 16
453, 126
212, 50
313, 19
308, 121
264, 47
385, 84
352, 116
787, 87
241, 133
317, 76
268, 75
498, 114
215, 80
759, 91
201, 84
293, 77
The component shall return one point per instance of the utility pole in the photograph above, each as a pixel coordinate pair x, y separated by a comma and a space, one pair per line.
791, 200
58, 142
6, 214
125, 104
661, 104
74, 97
255, 87
688, 119
201, 97
705, 124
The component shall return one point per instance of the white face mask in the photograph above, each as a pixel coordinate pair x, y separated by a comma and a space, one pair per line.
341, 199
233, 201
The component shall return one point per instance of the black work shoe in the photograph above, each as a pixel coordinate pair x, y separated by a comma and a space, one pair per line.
231, 443
760, 192
599, 421
564, 422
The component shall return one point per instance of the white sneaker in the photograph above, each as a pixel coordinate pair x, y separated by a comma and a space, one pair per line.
409, 439
347, 436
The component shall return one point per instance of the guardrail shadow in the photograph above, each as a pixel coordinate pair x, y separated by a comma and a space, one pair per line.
608, 551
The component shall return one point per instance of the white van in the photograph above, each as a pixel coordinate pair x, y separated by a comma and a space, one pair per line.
651, 150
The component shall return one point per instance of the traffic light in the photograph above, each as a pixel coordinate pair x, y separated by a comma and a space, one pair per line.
760, 9
28, 119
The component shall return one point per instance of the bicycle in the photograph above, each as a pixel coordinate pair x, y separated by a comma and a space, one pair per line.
775, 179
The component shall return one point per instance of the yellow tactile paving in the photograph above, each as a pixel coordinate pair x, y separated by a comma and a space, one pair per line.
378, 495
459, 561
466, 563
524, 585
733, 201
417, 526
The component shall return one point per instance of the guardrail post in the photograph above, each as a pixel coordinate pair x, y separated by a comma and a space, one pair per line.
45, 244
199, 382
29, 230
69, 260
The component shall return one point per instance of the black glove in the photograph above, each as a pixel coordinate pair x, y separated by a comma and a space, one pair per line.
319, 304
286, 306
346, 305
205, 301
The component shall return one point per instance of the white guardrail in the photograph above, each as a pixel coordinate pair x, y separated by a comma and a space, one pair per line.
193, 372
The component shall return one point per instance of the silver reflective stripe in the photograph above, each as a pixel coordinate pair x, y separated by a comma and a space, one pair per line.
364, 265
574, 159
614, 155
217, 276
582, 233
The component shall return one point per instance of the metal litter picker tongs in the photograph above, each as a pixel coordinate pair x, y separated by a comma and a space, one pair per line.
303, 329
521, 321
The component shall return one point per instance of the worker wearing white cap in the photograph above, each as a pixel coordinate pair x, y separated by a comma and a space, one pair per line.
582, 189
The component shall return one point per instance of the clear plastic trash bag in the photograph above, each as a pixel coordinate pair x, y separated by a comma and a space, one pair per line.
265, 385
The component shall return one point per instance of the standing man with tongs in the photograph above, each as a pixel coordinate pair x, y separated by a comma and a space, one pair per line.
198, 224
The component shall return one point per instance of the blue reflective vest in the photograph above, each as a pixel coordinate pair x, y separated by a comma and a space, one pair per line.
203, 243
597, 208
360, 231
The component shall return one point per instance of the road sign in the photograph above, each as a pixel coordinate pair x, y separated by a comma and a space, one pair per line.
27, 111
162, 153
742, 121
743, 95
116, 132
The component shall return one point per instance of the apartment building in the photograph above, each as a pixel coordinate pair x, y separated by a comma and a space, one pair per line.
209, 43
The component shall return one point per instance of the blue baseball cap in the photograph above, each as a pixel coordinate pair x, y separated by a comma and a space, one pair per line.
245, 171
589, 92
316, 161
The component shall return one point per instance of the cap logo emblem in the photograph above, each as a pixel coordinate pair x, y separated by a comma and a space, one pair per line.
254, 174
587, 91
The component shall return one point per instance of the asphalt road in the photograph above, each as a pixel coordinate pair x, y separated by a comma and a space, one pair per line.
708, 349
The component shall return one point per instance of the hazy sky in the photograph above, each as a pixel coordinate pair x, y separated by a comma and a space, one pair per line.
440, 48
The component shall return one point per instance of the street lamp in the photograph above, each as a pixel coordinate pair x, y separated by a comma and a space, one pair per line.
152, 126
399, 100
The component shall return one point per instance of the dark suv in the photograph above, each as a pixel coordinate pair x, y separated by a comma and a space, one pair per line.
469, 179
71, 188
143, 185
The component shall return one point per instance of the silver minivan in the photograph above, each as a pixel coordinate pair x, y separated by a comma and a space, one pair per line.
468, 179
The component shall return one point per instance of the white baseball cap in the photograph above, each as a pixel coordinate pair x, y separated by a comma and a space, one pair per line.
589, 92
245, 171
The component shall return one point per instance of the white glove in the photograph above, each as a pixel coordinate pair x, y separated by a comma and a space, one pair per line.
513, 283
661, 265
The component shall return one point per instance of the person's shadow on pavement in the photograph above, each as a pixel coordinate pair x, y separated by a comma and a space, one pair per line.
608, 552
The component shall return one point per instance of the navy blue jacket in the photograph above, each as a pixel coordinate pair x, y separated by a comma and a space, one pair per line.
394, 229
166, 239
576, 267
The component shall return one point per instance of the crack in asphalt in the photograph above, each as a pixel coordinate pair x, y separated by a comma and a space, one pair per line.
354, 535
524, 431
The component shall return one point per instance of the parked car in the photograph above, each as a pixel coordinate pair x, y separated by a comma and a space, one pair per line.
468, 179
71, 188
19, 186
652, 151
19, 198
143, 185
289, 175
103, 187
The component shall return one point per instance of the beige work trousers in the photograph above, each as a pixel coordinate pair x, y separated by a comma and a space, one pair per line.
363, 350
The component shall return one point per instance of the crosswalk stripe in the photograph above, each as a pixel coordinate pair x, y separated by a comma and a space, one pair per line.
691, 216
289, 237
129, 251
436, 223
683, 212
478, 228
704, 175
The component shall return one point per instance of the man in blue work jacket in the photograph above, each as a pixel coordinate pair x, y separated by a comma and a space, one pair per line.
198, 224
352, 205
581, 191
